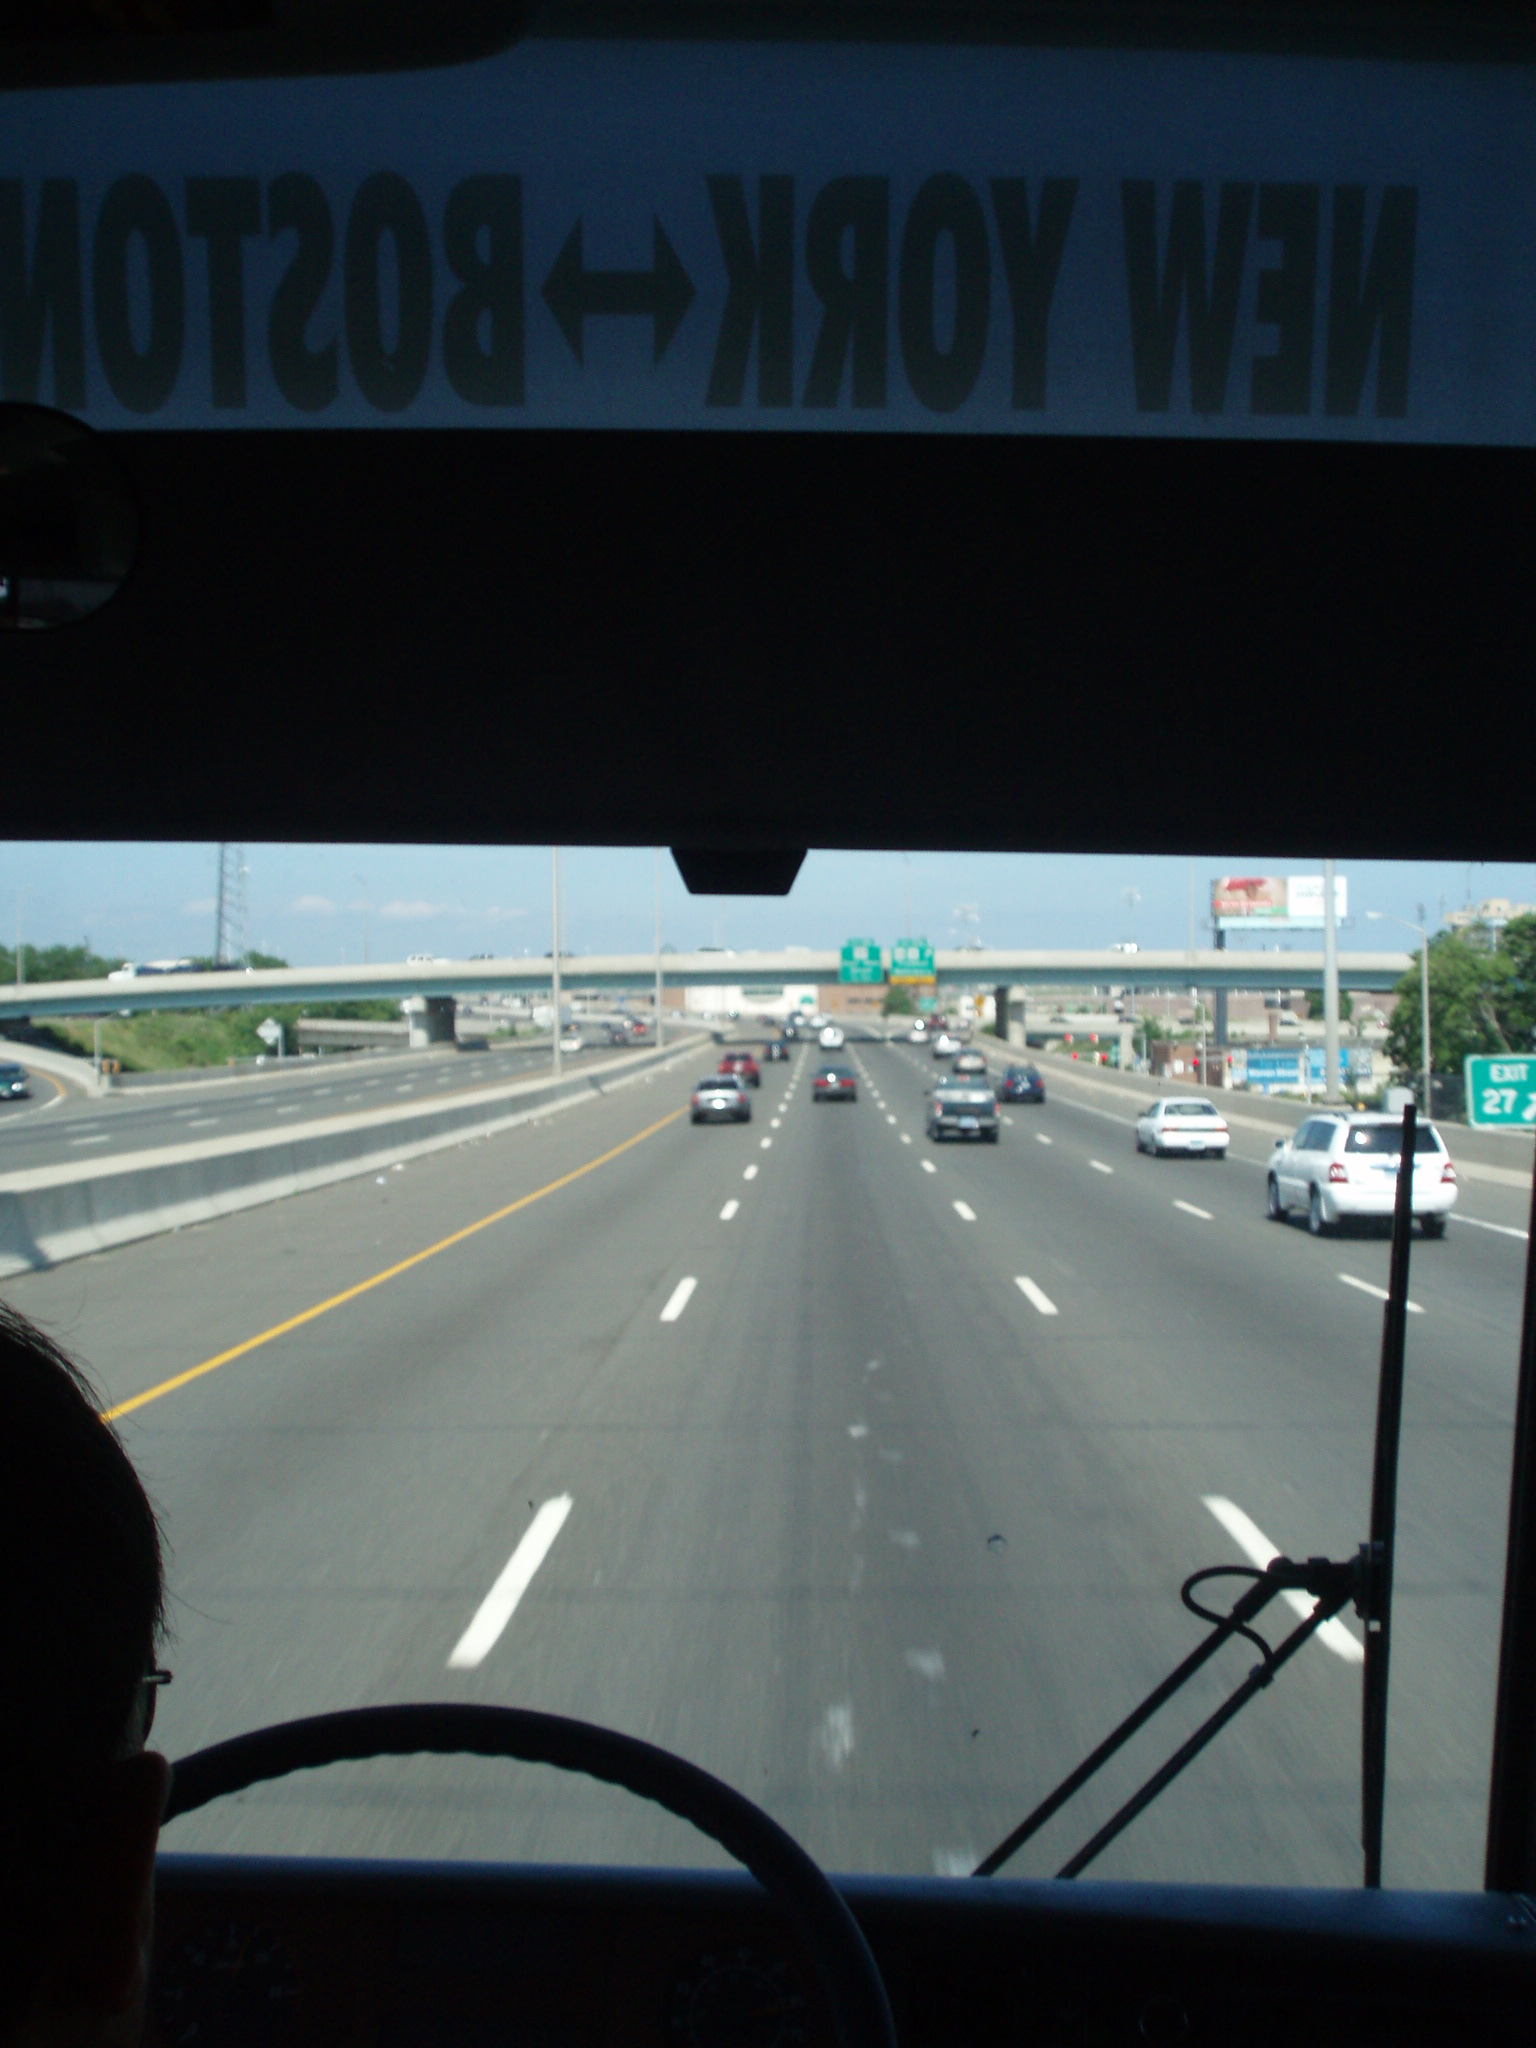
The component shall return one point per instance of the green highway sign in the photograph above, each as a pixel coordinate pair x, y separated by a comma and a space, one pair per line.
1501, 1091
861, 961
912, 960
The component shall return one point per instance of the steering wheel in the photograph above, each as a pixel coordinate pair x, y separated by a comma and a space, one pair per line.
847, 1971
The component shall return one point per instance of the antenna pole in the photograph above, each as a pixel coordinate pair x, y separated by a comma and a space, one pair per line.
1379, 1551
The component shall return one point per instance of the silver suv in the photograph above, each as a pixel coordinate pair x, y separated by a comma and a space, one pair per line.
963, 1109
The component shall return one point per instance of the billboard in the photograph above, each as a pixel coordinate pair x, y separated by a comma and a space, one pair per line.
1274, 902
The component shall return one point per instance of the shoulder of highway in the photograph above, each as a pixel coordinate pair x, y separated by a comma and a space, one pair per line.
1503, 1158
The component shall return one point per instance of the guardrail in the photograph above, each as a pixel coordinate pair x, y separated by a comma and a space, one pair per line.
50, 1214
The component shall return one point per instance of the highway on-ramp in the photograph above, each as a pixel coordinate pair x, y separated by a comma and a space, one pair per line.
862, 1471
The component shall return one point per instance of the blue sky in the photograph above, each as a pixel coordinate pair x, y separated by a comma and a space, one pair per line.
310, 903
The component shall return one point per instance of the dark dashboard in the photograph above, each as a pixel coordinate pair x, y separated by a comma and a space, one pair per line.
256, 1950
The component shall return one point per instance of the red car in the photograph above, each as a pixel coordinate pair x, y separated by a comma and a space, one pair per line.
741, 1063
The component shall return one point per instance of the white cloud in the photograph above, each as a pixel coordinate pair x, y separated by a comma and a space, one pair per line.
402, 908
205, 906
315, 906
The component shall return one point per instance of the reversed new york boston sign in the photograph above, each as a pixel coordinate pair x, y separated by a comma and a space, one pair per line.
994, 240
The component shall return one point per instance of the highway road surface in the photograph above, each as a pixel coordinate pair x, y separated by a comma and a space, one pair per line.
863, 1472
55, 1124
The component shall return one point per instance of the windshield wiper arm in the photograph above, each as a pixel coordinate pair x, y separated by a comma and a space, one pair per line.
1365, 1578
1332, 1584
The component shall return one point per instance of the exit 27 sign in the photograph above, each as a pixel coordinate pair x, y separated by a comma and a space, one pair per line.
1501, 1091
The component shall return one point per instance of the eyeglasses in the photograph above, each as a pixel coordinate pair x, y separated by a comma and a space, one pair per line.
152, 1682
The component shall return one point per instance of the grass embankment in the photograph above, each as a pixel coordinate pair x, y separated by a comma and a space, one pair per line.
157, 1040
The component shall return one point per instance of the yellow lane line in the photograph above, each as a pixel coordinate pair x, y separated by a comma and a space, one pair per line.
322, 1308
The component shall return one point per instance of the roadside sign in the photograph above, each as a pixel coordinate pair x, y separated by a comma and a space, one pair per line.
270, 1031
861, 962
912, 960
1501, 1091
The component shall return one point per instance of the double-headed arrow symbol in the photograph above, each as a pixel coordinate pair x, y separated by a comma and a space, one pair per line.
662, 294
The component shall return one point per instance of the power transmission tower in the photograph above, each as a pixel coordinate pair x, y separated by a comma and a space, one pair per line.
229, 926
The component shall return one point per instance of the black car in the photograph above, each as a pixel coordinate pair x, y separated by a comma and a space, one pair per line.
776, 1049
834, 1084
1021, 1084
13, 1080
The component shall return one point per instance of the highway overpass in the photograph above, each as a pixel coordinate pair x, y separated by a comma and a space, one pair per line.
982, 968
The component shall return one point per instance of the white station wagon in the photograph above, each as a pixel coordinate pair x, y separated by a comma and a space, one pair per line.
1345, 1165
1180, 1123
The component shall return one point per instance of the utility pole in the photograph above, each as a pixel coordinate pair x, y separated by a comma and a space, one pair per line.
229, 914
658, 948
1330, 989
554, 945
21, 965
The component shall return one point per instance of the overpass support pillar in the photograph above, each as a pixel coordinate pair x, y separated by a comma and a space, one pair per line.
431, 1020
1000, 1012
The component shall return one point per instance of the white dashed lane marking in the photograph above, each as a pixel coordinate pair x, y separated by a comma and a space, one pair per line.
1036, 1296
1190, 1210
1250, 1539
500, 1604
1042, 1139
679, 1299
929, 1167
729, 1210
1376, 1293
1099, 1166
749, 1173
965, 1212
1504, 1229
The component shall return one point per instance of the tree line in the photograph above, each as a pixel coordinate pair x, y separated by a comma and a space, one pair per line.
1482, 997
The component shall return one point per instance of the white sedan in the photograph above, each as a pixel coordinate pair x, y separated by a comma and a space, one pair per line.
831, 1039
1180, 1123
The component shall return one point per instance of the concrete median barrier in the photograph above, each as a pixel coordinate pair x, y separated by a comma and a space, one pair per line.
50, 1214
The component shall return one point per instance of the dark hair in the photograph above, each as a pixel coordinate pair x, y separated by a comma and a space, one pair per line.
84, 1597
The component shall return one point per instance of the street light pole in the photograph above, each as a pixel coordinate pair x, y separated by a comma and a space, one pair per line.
1385, 916
1331, 990
1429, 1107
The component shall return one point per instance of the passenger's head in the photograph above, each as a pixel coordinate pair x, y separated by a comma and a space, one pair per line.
80, 1797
